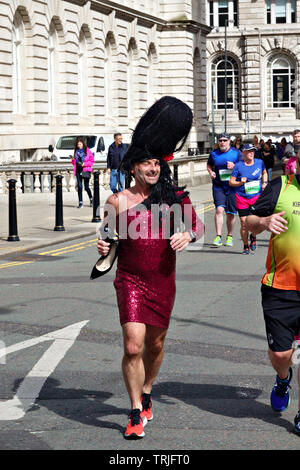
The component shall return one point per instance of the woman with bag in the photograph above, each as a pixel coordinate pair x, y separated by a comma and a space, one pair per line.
83, 160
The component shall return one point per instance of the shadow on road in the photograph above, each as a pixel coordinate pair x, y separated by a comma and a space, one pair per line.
89, 408
84, 406
218, 399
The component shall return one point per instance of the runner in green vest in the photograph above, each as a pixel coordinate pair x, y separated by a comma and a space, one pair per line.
278, 211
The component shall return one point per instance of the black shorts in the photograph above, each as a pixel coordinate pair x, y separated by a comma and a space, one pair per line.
244, 212
282, 317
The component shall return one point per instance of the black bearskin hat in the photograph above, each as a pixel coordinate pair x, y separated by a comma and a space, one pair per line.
166, 123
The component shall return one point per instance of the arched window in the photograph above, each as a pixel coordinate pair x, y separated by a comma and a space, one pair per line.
82, 75
53, 65
132, 98
220, 75
17, 38
281, 82
197, 85
150, 75
108, 78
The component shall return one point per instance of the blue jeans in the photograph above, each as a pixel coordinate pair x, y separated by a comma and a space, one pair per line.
86, 187
113, 183
269, 171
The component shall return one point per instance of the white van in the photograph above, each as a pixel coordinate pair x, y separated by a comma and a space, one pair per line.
64, 148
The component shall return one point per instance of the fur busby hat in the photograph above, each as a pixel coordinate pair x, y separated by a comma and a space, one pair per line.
165, 125
162, 130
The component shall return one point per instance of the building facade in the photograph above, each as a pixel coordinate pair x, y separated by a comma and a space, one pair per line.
253, 58
85, 67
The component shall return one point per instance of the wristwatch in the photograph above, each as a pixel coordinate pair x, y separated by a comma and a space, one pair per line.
193, 237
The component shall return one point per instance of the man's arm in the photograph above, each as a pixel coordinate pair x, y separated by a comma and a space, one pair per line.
274, 223
210, 167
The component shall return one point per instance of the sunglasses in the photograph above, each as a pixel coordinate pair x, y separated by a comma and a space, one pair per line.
223, 140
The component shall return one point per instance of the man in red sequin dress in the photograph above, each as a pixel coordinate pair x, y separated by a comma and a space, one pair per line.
145, 277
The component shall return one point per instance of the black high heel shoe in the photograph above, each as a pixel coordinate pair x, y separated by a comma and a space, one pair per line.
106, 262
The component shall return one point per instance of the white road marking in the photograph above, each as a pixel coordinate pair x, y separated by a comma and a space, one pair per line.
31, 386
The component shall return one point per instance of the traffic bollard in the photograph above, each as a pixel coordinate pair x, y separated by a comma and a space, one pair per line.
96, 199
12, 212
59, 221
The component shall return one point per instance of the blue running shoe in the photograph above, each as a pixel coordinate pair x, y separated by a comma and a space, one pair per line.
297, 423
246, 250
252, 242
280, 395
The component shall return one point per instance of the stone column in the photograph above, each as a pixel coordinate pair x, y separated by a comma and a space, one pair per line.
72, 181
36, 182
46, 185
27, 182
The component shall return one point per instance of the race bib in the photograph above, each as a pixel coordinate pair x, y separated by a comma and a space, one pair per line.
252, 187
225, 174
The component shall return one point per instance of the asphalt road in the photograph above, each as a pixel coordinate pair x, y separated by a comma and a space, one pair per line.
64, 389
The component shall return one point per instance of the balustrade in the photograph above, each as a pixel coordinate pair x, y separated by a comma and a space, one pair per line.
39, 177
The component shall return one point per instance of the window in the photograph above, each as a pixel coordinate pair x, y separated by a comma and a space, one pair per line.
17, 36
108, 78
150, 75
82, 75
281, 11
219, 76
52, 69
221, 11
281, 82
132, 95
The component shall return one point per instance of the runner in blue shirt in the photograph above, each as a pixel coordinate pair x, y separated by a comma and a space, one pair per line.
249, 178
219, 167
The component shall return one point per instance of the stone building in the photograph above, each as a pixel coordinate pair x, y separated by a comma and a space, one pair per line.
261, 40
94, 66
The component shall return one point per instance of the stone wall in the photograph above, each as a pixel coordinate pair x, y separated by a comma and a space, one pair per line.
110, 62
252, 44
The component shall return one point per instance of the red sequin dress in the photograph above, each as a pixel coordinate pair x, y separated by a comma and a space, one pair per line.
145, 277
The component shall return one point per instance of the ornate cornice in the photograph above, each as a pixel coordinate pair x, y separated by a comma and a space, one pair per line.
143, 18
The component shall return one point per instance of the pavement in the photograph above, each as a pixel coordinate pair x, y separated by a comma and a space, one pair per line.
36, 219
61, 381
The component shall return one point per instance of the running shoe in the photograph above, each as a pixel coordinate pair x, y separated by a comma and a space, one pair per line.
91, 202
147, 407
217, 241
252, 242
80, 205
280, 395
246, 250
135, 428
297, 423
229, 241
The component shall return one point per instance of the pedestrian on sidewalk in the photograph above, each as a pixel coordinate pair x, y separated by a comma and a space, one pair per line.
249, 178
291, 164
83, 161
277, 211
268, 154
115, 154
145, 277
219, 166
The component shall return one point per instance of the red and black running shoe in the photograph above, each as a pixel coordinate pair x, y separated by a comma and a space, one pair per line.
147, 407
135, 428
